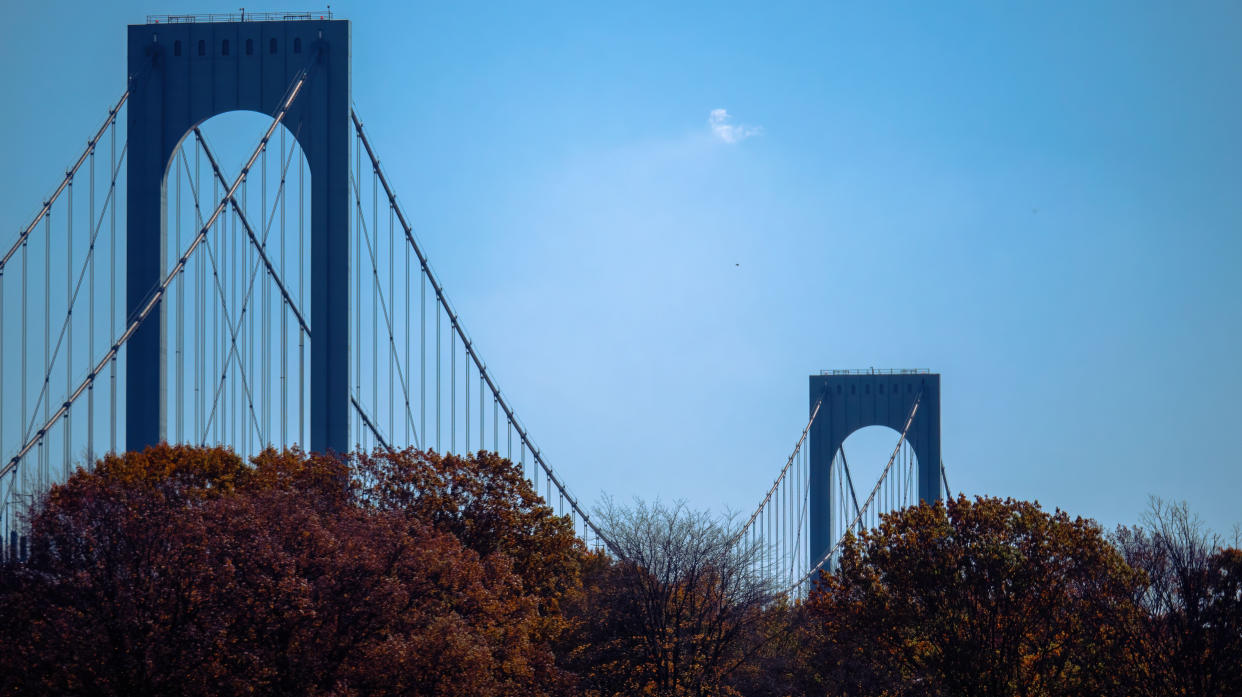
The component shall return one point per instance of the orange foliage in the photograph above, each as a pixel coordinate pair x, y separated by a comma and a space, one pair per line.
184, 570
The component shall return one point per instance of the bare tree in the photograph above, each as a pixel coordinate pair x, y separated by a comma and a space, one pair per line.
1184, 629
672, 614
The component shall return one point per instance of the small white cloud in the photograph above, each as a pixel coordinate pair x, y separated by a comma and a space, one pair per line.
718, 120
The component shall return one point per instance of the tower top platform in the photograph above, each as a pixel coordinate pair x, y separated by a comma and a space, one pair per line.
878, 371
242, 16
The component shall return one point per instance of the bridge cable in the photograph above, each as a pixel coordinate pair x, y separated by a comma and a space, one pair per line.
47, 205
867, 505
819, 401
52, 355
365, 235
467, 345
260, 246
850, 480
366, 420
242, 316
256, 244
153, 298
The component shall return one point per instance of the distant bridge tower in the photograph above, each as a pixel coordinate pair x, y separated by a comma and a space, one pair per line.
857, 399
182, 74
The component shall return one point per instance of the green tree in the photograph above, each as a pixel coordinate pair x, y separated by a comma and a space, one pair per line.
985, 597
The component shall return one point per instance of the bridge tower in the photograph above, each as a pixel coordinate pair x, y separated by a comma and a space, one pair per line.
182, 74
857, 399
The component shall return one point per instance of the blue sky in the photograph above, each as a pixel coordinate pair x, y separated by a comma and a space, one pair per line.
1039, 201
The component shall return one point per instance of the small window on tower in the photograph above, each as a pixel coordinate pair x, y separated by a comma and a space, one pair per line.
297, 45
249, 47
224, 48
202, 47
176, 48
271, 46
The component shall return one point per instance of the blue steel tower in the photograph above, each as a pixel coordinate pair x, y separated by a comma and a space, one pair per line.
857, 399
182, 74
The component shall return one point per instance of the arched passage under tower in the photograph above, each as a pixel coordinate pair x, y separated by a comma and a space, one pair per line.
236, 351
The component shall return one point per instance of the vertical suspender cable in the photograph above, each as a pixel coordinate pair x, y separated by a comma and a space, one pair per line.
406, 307
90, 346
240, 389
215, 318
375, 302
438, 378
392, 298
356, 268
422, 338
283, 441
200, 317
25, 350
112, 308
180, 408
227, 244
301, 303
453, 391
247, 317
44, 460
265, 323
68, 321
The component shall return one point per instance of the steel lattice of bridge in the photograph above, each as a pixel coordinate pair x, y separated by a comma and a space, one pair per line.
161, 293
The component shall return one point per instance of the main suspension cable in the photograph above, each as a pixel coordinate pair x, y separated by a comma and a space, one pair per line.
819, 402
467, 345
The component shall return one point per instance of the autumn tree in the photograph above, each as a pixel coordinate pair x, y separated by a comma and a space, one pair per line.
985, 597
1190, 635
183, 570
669, 614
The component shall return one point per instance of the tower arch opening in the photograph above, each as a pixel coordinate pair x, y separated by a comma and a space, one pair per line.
861, 462
235, 354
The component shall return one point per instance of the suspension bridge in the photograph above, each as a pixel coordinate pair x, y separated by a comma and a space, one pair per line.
161, 293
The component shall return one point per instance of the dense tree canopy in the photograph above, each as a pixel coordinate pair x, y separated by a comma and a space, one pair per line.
985, 597
186, 571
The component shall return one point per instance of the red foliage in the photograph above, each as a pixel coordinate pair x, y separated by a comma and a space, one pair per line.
185, 571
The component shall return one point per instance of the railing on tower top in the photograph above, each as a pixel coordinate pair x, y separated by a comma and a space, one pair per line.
878, 371
239, 17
